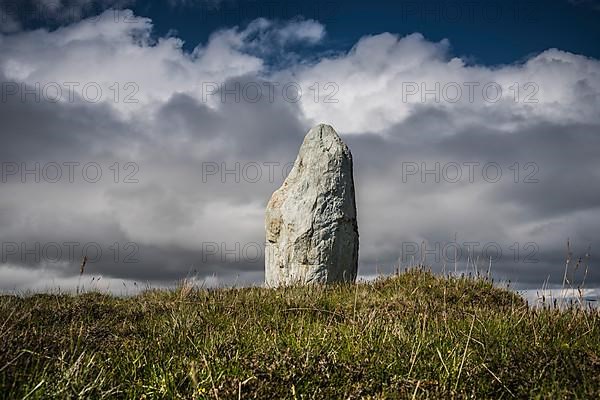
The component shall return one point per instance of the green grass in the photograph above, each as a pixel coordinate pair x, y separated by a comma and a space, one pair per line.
415, 335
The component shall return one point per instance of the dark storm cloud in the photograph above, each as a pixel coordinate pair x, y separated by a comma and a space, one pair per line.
564, 183
44, 130
168, 190
171, 187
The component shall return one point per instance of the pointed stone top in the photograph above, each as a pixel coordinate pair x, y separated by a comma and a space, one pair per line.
322, 130
325, 136
324, 126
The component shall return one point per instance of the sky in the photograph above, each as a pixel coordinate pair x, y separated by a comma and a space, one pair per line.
149, 136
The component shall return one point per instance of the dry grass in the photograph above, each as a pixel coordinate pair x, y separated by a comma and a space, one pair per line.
411, 336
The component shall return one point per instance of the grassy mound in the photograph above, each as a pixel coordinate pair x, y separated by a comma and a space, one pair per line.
414, 335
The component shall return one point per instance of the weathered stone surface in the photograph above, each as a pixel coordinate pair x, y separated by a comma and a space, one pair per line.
312, 233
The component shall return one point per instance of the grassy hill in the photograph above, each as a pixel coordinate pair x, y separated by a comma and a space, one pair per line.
414, 335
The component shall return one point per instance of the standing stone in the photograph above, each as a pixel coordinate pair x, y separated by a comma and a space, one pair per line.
312, 233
